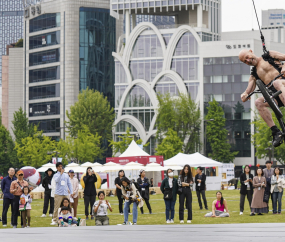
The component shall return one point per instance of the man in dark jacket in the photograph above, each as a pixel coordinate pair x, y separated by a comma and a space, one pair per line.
8, 197
200, 181
48, 198
144, 185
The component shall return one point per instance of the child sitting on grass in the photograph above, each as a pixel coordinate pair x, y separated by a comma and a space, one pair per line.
65, 218
100, 209
25, 206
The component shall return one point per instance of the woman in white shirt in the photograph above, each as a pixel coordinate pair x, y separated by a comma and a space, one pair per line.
277, 184
100, 209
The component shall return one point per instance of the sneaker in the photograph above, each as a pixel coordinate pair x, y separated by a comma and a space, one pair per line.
124, 223
4, 225
121, 213
241, 213
50, 214
92, 217
171, 221
134, 223
130, 213
87, 218
130, 223
181, 221
22, 226
74, 218
260, 214
201, 208
168, 221
252, 214
188, 221
43, 216
150, 212
28, 227
277, 139
14, 227
53, 223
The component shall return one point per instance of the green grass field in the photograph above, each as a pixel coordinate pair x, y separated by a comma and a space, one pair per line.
158, 216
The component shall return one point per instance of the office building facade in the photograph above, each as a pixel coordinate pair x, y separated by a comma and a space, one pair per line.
68, 47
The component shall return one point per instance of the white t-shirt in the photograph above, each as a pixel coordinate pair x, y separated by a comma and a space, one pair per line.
102, 209
170, 182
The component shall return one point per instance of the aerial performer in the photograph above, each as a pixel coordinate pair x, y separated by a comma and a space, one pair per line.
269, 69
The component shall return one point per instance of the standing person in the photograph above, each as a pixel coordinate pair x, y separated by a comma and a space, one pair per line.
259, 184
268, 173
144, 184
151, 182
89, 191
17, 190
74, 195
277, 183
118, 184
246, 188
200, 181
185, 182
25, 202
131, 195
8, 197
48, 199
218, 207
62, 184
169, 187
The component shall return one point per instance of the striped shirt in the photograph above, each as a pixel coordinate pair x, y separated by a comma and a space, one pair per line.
63, 183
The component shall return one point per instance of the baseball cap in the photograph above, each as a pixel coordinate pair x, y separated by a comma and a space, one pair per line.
71, 171
20, 172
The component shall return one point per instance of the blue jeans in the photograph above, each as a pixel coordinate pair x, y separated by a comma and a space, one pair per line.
169, 207
126, 212
277, 196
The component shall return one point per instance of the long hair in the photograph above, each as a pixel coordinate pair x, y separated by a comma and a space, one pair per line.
248, 168
69, 208
87, 170
280, 172
121, 171
189, 174
222, 199
125, 179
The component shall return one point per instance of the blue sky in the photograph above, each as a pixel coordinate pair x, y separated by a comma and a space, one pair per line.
239, 14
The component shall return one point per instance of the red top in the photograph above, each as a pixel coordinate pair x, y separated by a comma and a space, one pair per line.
220, 207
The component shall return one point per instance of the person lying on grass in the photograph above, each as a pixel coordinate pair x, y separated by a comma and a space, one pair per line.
218, 207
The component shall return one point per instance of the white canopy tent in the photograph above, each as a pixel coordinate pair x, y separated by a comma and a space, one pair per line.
46, 166
195, 160
134, 150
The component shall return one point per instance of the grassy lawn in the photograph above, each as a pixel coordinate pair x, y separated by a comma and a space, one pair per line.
158, 216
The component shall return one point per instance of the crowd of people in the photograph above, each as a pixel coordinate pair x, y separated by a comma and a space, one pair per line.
61, 195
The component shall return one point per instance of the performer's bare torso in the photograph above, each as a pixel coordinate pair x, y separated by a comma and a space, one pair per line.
266, 71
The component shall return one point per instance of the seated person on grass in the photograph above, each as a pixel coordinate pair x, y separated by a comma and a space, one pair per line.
100, 209
218, 207
65, 218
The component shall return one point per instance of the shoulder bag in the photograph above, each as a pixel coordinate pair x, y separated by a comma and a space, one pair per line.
167, 195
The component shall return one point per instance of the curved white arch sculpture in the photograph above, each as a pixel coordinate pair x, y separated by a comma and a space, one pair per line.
127, 70
134, 35
173, 43
135, 122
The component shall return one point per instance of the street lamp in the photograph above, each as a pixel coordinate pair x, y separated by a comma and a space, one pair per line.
205, 138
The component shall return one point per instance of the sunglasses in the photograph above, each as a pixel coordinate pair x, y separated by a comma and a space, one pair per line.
20, 175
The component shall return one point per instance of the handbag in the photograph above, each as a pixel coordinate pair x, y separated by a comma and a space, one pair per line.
167, 195
266, 197
179, 191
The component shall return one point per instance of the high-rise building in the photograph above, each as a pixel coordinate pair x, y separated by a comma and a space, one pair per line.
273, 18
68, 47
11, 28
186, 58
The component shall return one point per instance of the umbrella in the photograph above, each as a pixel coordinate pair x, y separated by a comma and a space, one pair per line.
133, 166
111, 166
45, 167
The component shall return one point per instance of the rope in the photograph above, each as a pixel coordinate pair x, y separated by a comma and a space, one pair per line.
261, 35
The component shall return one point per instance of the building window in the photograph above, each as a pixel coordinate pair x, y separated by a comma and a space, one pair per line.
47, 125
123, 126
137, 97
97, 41
193, 88
48, 91
45, 74
166, 85
43, 109
45, 21
120, 74
147, 46
187, 45
44, 40
187, 68
145, 116
119, 91
145, 69
44, 57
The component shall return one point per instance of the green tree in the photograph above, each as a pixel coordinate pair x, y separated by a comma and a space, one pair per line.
170, 146
124, 142
86, 147
33, 150
21, 126
92, 110
262, 138
217, 134
0, 117
7, 153
183, 116
19, 43
64, 150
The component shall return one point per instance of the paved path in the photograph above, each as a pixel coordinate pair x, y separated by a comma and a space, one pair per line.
150, 233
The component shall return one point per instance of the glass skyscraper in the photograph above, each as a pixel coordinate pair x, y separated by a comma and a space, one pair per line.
11, 25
